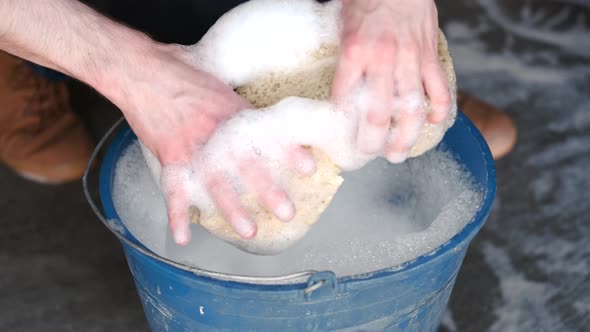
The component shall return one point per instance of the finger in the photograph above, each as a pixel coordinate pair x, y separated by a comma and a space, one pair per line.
177, 210
408, 129
271, 196
376, 119
349, 71
437, 89
228, 202
301, 160
408, 109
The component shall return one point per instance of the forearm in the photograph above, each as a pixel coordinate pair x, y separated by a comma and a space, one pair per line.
68, 36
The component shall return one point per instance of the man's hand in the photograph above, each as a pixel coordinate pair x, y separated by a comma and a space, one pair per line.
391, 45
174, 108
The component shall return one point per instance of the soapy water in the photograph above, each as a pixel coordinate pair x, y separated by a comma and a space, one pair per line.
382, 216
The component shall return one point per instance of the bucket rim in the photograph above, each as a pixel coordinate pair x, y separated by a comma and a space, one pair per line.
115, 225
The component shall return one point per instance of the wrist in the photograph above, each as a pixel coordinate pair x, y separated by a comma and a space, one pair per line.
130, 63
119, 51
123, 60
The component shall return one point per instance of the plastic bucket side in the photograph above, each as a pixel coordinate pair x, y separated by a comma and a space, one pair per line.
407, 300
411, 297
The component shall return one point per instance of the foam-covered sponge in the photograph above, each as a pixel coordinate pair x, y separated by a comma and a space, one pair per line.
270, 51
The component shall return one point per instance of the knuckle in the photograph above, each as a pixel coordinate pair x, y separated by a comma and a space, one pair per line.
414, 117
441, 99
408, 140
411, 49
386, 45
177, 217
276, 193
378, 119
352, 48
430, 54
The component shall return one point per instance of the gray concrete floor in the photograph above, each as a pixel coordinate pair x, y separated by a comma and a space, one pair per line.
528, 269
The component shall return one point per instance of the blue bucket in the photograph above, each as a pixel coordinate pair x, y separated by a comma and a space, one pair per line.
410, 297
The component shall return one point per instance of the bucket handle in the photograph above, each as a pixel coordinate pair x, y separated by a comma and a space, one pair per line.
321, 284
93, 161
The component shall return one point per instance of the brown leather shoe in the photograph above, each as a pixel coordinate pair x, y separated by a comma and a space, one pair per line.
40, 137
497, 127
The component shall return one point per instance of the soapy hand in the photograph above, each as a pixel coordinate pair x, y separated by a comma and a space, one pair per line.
174, 108
391, 47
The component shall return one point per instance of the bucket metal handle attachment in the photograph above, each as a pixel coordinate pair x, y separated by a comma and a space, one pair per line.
321, 284
298, 277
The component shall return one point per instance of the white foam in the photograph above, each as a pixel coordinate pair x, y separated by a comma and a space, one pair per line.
382, 216
252, 44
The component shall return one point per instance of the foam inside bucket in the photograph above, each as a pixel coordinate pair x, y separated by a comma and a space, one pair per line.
409, 297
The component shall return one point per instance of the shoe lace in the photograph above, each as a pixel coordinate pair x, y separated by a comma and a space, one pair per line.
45, 104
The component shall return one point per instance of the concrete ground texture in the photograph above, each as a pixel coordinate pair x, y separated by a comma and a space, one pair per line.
527, 270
